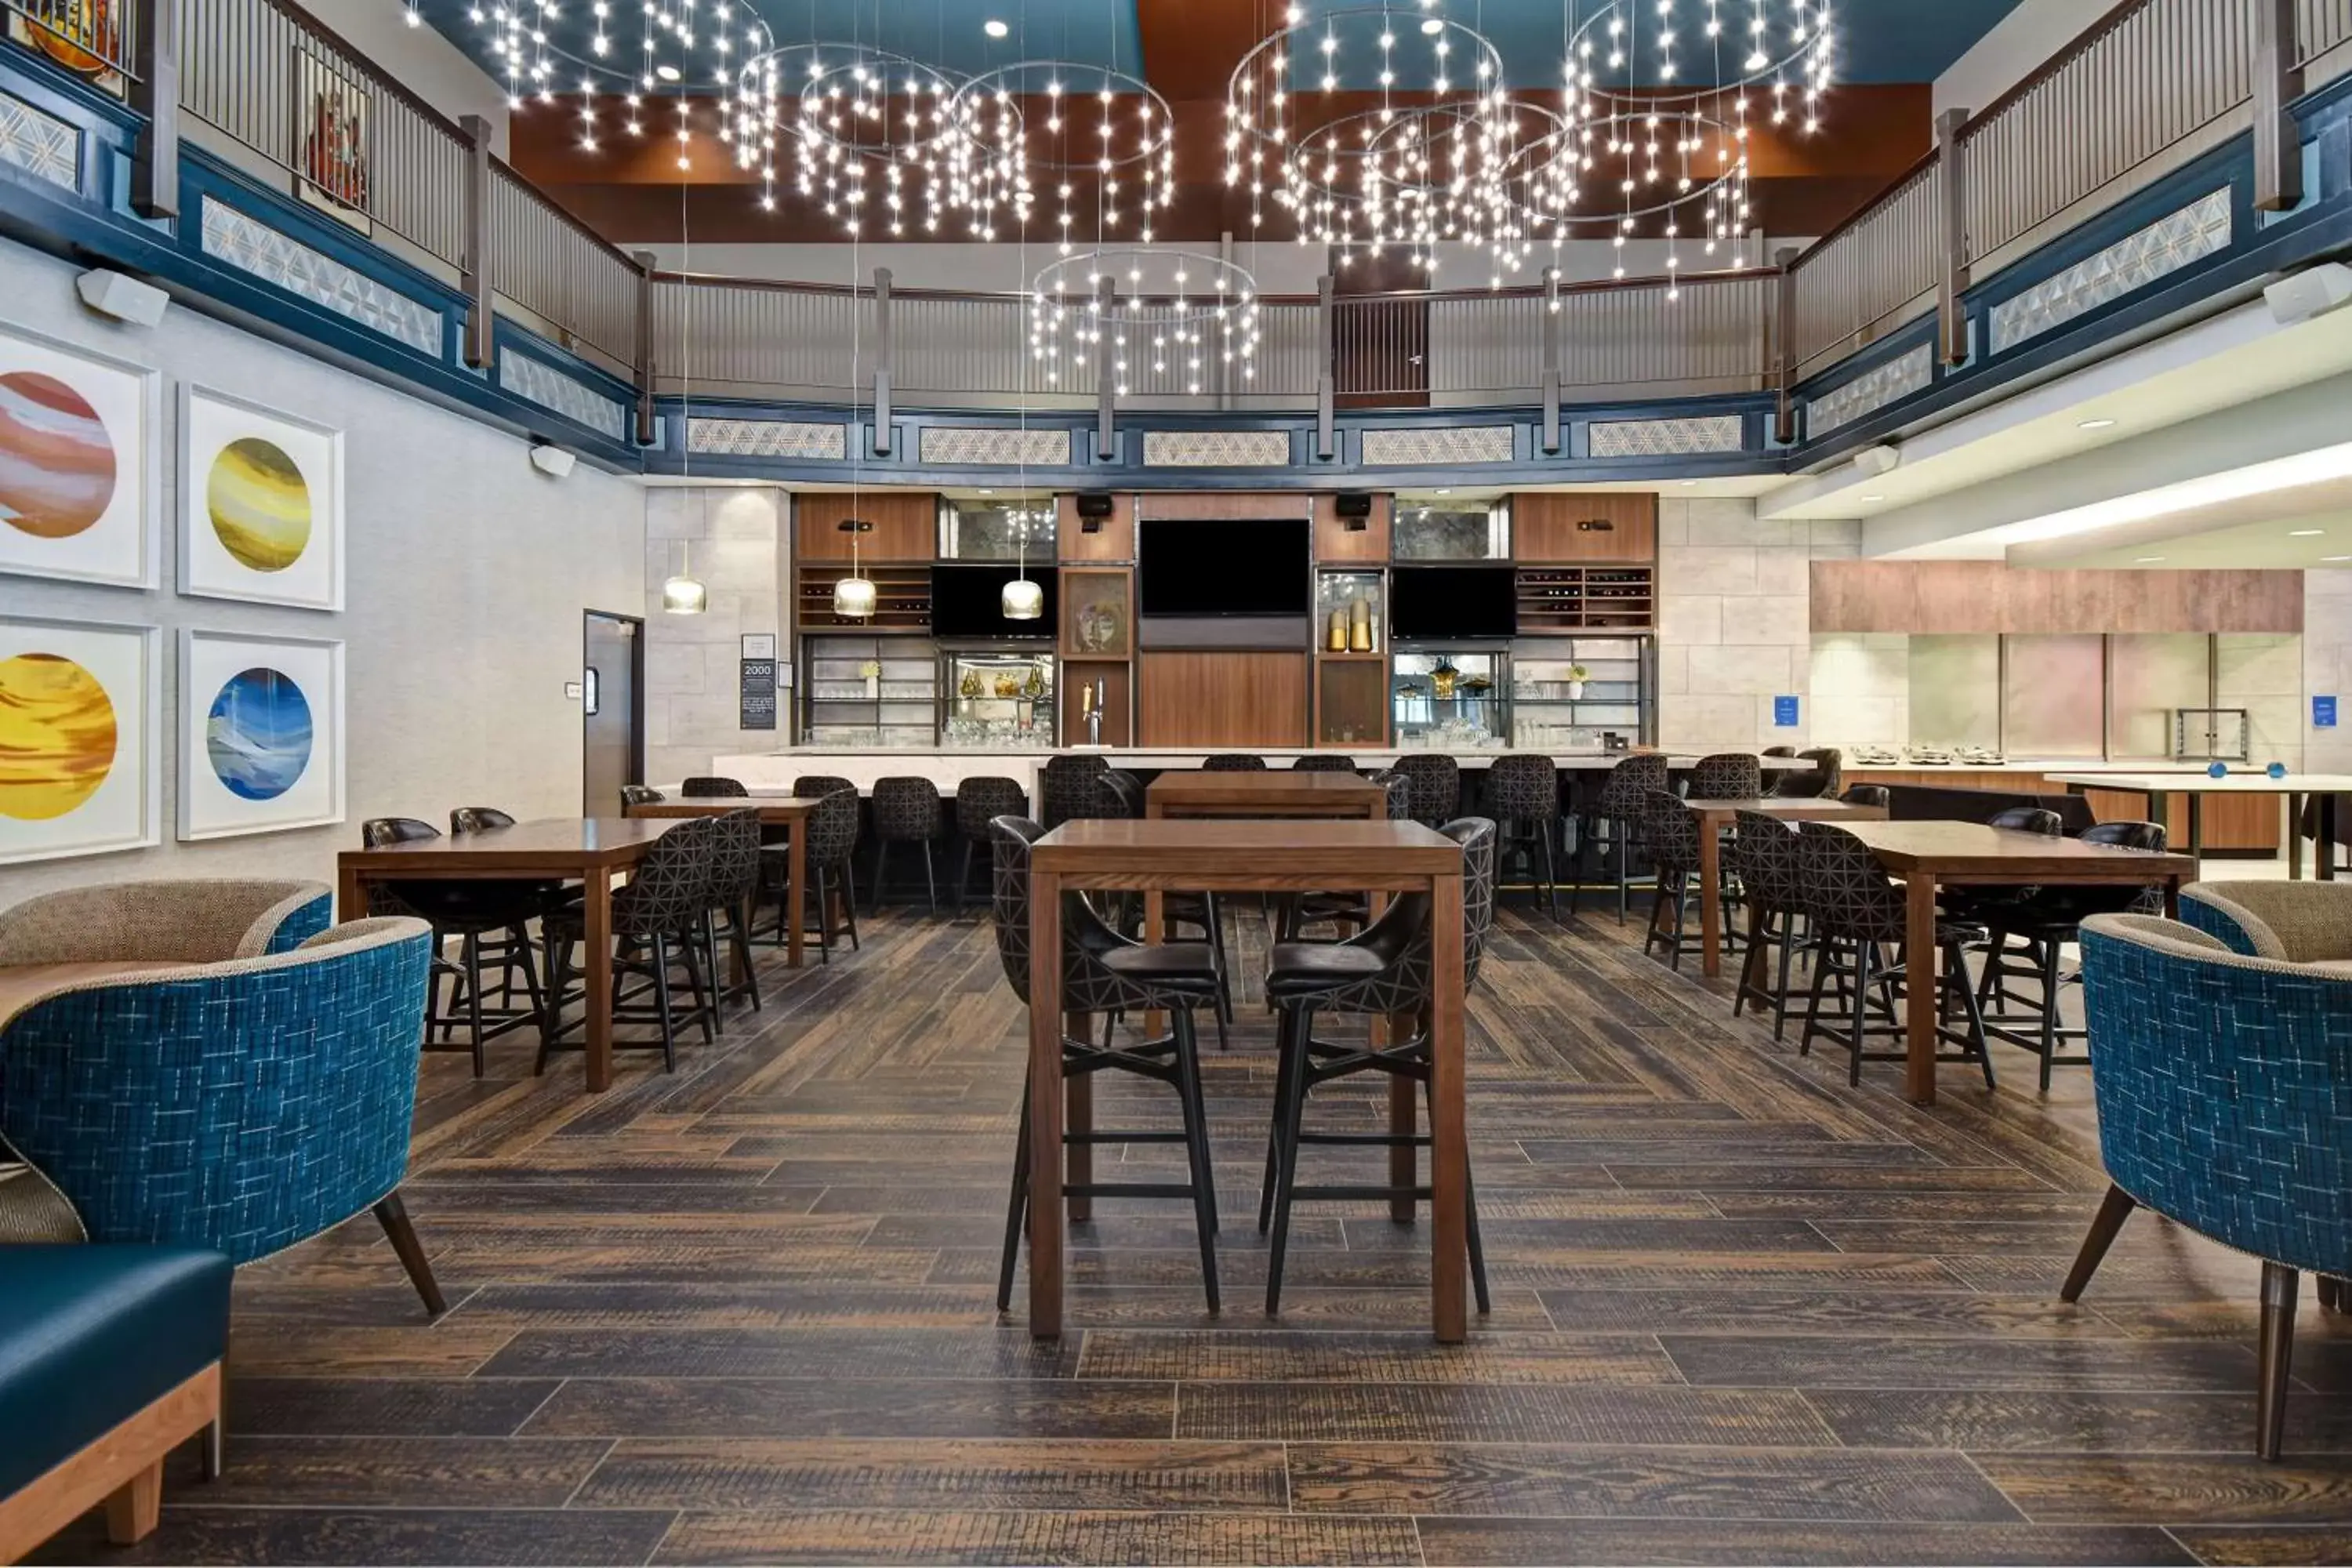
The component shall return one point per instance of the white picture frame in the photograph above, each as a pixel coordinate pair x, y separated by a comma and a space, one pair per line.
123, 809
261, 503
66, 413
261, 733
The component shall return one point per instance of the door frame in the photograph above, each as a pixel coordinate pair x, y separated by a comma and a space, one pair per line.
636, 769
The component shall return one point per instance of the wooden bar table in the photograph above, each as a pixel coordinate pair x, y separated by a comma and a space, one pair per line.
592, 849
1243, 855
1931, 855
1266, 795
776, 811
1713, 817
2159, 787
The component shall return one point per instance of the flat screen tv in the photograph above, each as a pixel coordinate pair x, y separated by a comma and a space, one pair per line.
1439, 604
1223, 566
968, 603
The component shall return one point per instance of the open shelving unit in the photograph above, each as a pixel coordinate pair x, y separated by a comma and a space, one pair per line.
1555, 599
902, 598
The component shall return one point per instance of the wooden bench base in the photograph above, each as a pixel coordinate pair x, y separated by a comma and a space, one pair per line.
124, 1469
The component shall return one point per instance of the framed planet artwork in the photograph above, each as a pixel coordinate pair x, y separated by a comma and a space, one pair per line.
79, 768
261, 733
261, 504
78, 443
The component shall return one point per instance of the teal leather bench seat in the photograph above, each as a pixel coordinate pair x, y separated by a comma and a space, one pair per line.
113, 1346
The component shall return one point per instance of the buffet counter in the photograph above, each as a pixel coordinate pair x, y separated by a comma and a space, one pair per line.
2245, 824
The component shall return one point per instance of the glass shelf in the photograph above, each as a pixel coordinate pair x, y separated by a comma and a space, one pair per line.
997, 701
1351, 613
1449, 700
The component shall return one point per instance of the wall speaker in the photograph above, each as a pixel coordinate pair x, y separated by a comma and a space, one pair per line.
123, 299
1353, 504
2313, 291
552, 461
1093, 507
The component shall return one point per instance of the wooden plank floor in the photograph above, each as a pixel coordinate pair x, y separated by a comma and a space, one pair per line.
1742, 1314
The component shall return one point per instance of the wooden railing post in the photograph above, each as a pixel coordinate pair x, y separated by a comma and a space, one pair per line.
1551, 360
881, 362
1784, 348
476, 250
155, 94
647, 261
1952, 280
2278, 81
1105, 379
1326, 365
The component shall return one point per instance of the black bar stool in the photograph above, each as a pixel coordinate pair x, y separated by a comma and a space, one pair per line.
1233, 762
1436, 785
907, 810
488, 918
657, 924
1104, 972
1383, 973
1727, 775
1623, 800
1671, 829
1763, 854
1322, 762
978, 802
711, 788
1523, 796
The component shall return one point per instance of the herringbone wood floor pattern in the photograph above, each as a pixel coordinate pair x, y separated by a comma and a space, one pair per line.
1742, 1314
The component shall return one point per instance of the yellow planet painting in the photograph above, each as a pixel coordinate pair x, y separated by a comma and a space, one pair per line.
259, 503
57, 736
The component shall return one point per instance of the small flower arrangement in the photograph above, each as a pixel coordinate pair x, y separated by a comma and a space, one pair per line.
871, 669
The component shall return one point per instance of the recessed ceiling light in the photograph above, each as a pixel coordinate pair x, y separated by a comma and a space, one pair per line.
2304, 533
1685, 483
2096, 425
666, 71
2336, 557
2146, 560
1873, 497
994, 28
988, 492
1445, 492
2314, 467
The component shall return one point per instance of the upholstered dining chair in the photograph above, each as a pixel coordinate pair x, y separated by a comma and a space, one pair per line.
641, 794
1623, 805
711, 788
1233, 762
2224, 1089
1727, 775
252, 1091
2295, 922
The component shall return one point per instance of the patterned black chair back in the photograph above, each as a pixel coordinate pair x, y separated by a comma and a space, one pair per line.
2146, 901
478, 819
1780, 751
1476, 837
672, 883
833, 830
1671, 828
706, 788
1763, 856
1437, 785
1010, 836
1829, 761
1877, 796
1087, 984
1843, 889
641, 794
1401, 936
1523, 787
379, 831
1067, 786
734, 858
907, 809
2127, 834
1322, 762
981, 801
1234, 762
816, 786
1120, 795
1626, 795
1816, 782
1399, 790
2029, 819
1727, 775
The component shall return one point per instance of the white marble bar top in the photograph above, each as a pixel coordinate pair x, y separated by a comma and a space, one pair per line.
2055, 768
772, 773
2200, 782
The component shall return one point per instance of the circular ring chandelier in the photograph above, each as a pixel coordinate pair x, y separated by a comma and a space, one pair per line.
1671, 174
869, 130
1089, 129
1161, 318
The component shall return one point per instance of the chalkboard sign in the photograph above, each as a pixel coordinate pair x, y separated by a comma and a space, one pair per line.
759, 694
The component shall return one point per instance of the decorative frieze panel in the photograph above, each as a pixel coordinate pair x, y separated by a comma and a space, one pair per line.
40, 144
1872, 390
2170, 243
981, 446
1665, 438
1216, 448
252, 246
767, 438
1440, 446
538, 381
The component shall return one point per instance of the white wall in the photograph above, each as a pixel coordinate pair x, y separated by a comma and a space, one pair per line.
466, 572
2005, 57
735, 540
1735, 627
418, 57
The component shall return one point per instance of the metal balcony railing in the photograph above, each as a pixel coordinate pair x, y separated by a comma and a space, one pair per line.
2153, 84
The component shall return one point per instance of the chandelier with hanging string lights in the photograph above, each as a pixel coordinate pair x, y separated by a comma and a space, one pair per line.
1161, 320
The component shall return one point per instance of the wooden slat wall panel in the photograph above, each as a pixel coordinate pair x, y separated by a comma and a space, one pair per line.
1224, 699
1113, 540
1546, 526
1335, 543
905, 526
1942, 597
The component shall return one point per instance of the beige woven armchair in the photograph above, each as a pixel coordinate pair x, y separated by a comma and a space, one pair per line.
2293, 922
194, 921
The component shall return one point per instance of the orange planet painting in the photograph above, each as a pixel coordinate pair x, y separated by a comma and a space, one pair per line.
57, 736
57, 462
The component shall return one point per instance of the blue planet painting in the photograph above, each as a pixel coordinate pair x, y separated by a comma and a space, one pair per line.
259, 734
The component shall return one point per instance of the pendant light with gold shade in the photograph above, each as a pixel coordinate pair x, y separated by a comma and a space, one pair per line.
683, 594
1021, 599
853, 596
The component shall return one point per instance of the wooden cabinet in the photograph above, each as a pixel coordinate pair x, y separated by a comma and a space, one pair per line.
1119, 707
1226, 697
1342, 540
2231, 822
1552, 526
1110, 538
1953, 596
905, 526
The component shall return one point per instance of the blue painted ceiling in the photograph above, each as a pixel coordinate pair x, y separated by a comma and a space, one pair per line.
1879, 40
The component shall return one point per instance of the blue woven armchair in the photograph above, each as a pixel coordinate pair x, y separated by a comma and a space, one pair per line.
242, 1106
2224, 1089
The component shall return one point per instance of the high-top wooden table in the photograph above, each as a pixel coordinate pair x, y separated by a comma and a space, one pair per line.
1265, 793
2159, 787
1930, 855
774, 810
591, 850
1713, 817
1229, 856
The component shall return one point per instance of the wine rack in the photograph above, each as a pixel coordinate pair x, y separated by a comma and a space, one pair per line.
1586, 598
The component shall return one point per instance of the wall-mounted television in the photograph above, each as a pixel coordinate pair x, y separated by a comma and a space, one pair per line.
1222, 566
968, 603
1442, 604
